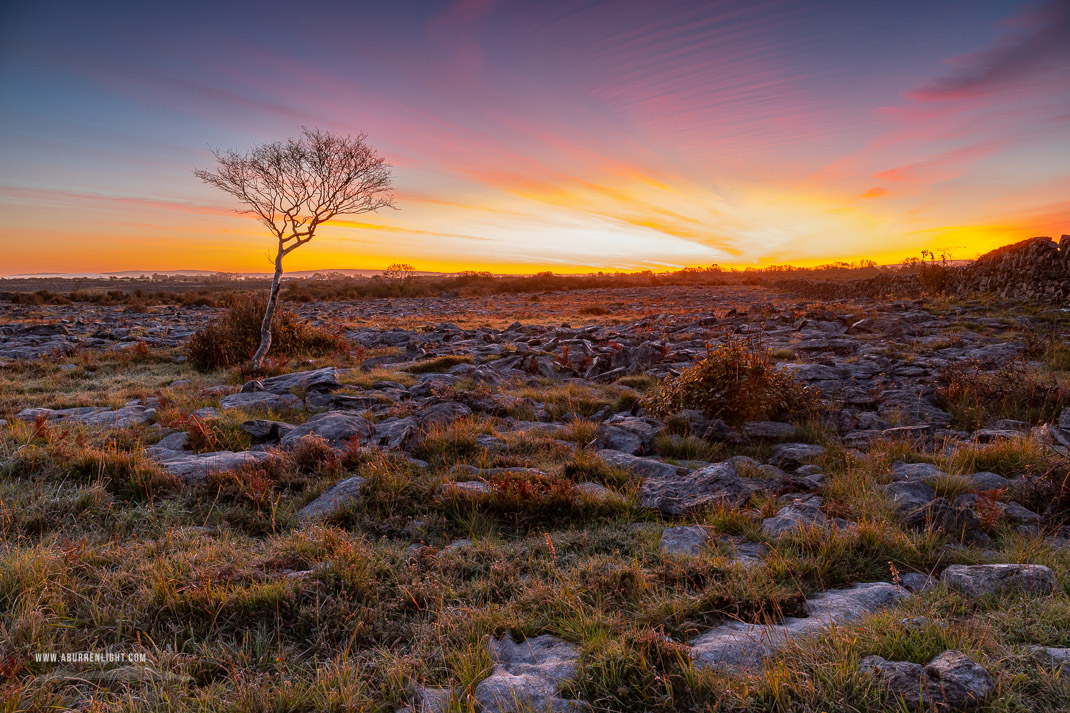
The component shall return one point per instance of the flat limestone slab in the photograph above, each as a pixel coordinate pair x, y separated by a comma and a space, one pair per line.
738, 645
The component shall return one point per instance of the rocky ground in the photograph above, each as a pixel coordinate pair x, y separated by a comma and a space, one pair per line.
473, 510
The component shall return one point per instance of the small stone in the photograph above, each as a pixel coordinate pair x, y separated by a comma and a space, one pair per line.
987, 481
795, 453
795, 516
684, 540
463, 489
770, 430
915, 582
333, 501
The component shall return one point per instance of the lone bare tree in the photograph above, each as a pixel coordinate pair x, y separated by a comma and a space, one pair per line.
297, 185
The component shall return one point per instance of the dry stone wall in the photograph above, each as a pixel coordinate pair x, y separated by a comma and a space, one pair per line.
1038, 269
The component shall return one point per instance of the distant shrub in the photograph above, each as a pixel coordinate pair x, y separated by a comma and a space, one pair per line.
439, 365
594, 310
977, 395
232, 339
736, 381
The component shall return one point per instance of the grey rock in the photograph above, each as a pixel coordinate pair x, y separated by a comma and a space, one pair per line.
739, 645
718, 484
596, 493
950, 681
794, 517
442, 414
943, 517
260, 399
996, 579
629, 434
637, 465
431, 700
196, 467
915, 471
395, 433
174, 441
1020, 515
463, 489
1052, 657
264, 430
957, 681
337, 428
987, 481
333, 501
684, 540
772, 430
795, 453
325, 379
1048, 435
742, 551
528, 676
251, 387
909, 495
102, 417
915, 582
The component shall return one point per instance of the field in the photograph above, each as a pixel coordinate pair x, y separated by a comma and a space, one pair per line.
631, 498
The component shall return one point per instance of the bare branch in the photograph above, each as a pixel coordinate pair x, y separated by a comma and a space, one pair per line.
297, 185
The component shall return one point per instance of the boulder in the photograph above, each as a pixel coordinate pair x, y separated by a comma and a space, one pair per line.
987, 481
463, 489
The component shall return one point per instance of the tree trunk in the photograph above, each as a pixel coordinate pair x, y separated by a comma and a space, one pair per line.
269, 314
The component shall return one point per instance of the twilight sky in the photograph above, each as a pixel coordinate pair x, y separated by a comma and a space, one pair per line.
529, 135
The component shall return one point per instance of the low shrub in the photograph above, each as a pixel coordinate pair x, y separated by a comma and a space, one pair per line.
439, 365
233, 338
736, 381
977, 395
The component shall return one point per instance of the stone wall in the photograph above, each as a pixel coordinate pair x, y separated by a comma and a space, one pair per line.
1038, 269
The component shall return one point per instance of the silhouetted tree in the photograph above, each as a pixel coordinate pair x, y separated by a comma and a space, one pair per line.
297, 185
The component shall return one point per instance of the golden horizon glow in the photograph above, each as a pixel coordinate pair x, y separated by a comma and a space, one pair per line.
647, 137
